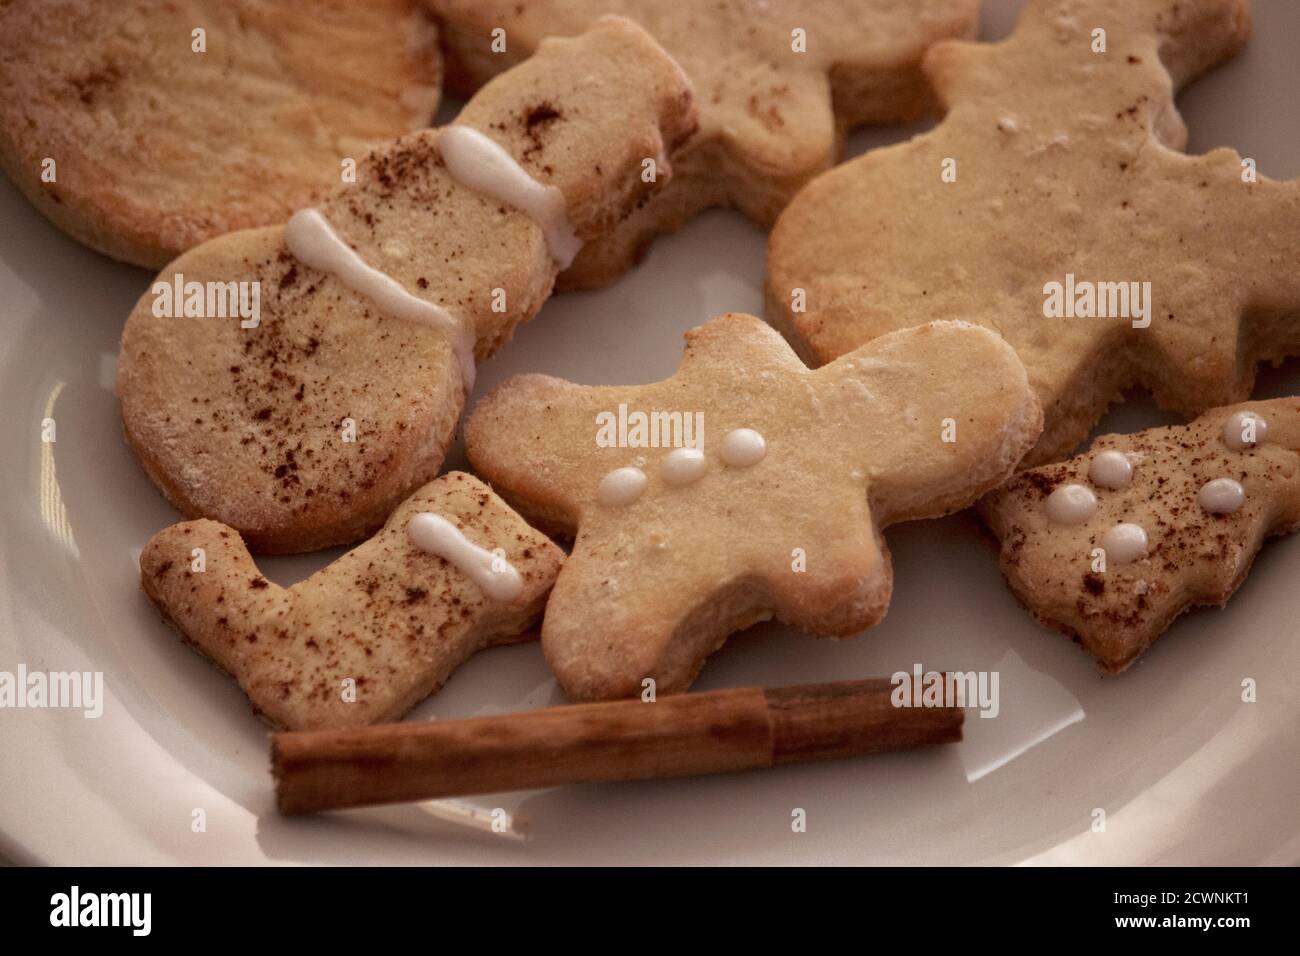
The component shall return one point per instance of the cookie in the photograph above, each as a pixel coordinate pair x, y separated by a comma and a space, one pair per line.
168, 123
1052, 205
1110, 547
367, 638
683, 539
304, 425
777, 83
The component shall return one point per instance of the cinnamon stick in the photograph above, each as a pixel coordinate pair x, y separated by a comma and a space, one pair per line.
677, 736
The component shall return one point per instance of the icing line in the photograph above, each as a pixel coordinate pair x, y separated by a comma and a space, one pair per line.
480, 163
495, 576
312, 240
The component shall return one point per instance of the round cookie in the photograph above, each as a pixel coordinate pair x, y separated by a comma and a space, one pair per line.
154, 145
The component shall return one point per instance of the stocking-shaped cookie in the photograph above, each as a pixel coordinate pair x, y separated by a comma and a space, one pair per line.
776, 510
144, 127
1051, 205
335, 388
777, 83
362, 641
1111, 546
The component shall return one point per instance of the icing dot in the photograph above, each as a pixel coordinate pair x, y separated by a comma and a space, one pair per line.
1222, 496
1238, 429
743, 448
620, 487
683, 466
1071, 504
1125, 543
1110, 469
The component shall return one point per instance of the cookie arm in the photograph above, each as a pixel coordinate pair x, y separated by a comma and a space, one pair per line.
1234, 298
1198, 35
530, 436
1266, 247
953, 414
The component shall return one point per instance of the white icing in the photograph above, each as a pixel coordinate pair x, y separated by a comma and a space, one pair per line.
621, 487
1125, 543
495, 576
1235, 426
683, 466
314, 242
1110, 469
1071, 504
1222, 496
743, 448
479, 162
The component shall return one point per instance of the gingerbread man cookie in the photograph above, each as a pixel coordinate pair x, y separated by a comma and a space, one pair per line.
772, 500
1110, 547
333, 384
368, 637
777, 83
144, 127
1052, 205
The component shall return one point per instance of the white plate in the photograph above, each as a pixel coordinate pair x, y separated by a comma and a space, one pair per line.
1184, 770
